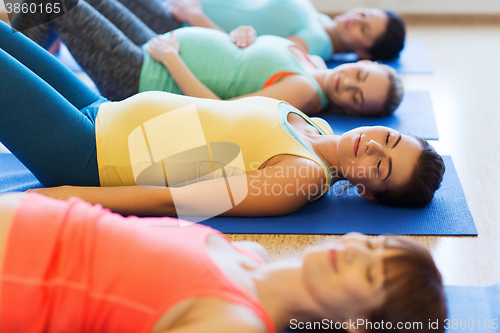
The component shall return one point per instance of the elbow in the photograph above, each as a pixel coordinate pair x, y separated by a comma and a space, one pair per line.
282, 208
158, 203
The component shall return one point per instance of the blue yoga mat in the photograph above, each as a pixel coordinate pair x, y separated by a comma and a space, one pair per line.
14, 176
66, 58
414, 59
473, 309
415, 115
470, 310
448, 214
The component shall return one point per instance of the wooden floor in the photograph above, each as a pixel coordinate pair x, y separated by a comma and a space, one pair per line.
465, 90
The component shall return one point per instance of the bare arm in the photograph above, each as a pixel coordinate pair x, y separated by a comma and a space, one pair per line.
266, 192
272, 191
221, 317
255, 248
125, 200
192, 13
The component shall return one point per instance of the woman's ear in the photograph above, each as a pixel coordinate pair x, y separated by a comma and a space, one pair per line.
350, 112
362, 54
366, 195
355, 328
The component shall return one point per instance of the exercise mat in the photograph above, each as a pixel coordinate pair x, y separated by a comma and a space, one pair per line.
470, 310
14, 177
413, 59
415, 115
334, 213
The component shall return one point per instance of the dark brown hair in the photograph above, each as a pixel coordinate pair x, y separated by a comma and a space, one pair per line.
389, 45
394, 95
414, 290
425, 180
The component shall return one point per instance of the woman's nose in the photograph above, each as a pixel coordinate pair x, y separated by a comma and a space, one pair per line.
357, 18
355, 251
348, 84
373, 147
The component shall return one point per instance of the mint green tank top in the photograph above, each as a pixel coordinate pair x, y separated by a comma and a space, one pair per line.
227, 70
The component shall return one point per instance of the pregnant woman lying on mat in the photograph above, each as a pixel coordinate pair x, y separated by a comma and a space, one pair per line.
101, 272
371, 33
205, 63
68, 135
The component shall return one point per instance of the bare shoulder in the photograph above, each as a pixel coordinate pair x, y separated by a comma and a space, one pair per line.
303, 94
304, 172
300, 83
255, 248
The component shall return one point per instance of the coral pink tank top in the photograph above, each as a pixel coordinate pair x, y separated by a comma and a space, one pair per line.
71, 266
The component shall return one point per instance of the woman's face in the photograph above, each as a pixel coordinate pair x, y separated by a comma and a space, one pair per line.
377, 158
359, 29
347, 279
358, 88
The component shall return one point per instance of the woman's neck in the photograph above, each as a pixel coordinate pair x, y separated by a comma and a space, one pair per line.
320, 76
333, 33
325, 146
284, 294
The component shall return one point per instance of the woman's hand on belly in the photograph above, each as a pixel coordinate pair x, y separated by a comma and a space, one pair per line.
159, 46
243, 36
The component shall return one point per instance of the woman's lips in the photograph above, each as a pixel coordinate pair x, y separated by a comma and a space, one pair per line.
333, 260
356, 145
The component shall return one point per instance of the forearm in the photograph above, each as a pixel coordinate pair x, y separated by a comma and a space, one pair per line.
202, 20
125, 200
185, 79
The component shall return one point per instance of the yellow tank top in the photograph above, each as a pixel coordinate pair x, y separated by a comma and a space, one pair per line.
163, 139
